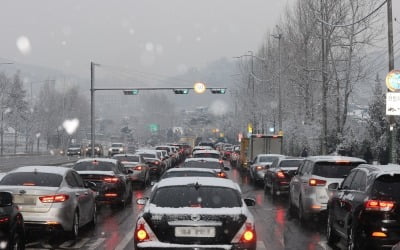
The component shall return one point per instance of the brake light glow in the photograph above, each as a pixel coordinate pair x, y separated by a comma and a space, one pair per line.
280, 174
111, 195
379, 234
342, 162
54, 198
143, 232
377, 205
259, 168
248, 234
221, 174
4, 220
156, 162
138, 168
316, 182
29, 184
111, 179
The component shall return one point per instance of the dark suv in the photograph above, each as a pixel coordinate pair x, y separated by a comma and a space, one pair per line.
364, 210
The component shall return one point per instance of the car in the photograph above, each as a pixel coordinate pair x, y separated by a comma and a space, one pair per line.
98, 150
363, 209
139, 170
207, 143
278, 175
12, 228
308, 189
208, 163
153, 159
113, 185
52, 198
116, 148
74, 149
260, 164
207, 154
208, 213
185, 172
202, 148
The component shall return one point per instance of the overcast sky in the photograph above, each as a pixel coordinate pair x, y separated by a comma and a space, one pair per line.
161, 36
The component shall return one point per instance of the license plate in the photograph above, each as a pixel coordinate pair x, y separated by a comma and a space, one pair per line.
24, 200
194, 232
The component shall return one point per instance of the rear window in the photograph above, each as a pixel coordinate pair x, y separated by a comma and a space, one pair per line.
196, 196
268, 158
206, 155
127, 158
148, 155
188, 173
163, 148
94, 166
334, 170
32, 179
290, 164
200, 164
387, 186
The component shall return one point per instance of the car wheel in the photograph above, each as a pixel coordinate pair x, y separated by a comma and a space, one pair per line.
17, 242
331, 235
75, 226
93, 222
273, 190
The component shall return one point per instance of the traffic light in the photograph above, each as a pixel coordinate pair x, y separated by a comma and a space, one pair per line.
218, 90
131, 92
181, 91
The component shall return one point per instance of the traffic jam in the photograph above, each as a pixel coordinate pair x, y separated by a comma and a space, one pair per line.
201, 196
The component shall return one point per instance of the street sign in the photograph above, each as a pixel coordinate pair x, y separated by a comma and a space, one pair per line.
153, 127
393, 103
393, 80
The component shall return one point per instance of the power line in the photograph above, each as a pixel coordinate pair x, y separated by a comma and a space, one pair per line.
358, 21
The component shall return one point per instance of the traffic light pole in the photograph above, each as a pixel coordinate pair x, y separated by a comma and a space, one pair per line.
92, 118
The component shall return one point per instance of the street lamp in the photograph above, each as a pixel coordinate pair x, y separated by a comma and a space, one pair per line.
279, 37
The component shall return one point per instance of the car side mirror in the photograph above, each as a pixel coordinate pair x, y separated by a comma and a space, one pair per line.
142, 201
90, 184
250, 202
6, 199
333, 186
129, 171
267, 166
227, 168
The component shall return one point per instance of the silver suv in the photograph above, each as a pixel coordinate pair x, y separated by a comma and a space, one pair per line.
308, 189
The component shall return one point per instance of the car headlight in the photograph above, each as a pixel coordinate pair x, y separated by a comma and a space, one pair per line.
110, 149
121, 149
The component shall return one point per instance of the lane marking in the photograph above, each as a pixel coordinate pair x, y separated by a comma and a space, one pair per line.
261, 245
324, 245
125, 241
95, 244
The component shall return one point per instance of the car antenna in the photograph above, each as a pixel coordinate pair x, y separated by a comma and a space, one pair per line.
197, 185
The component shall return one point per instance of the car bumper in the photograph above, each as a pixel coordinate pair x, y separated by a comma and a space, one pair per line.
311, 206
161, 245
51, 220
259, 176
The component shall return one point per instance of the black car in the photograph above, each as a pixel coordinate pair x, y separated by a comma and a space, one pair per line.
278, 176
12, 230
98, 150
364, 210
195, 213
113, 185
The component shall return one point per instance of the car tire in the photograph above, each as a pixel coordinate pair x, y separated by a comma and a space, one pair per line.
17, 242
75, 226
273, 191
331, 235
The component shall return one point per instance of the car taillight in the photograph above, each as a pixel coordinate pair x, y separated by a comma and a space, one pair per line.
259, 168
316, 182
143, 232
378, 205
221, 161
156, 162
4, 220
280, 174
221, 174
247, 233
111, 179
54, 198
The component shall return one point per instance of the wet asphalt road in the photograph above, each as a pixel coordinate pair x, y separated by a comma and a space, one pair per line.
275, 228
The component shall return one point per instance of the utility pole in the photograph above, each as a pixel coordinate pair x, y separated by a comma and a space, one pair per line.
392, 130
324, 84
252, 88
279, 86
92, 118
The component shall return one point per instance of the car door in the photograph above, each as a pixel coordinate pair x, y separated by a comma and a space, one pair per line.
295, 184
79, 194
120, 172
88, 200
340, 204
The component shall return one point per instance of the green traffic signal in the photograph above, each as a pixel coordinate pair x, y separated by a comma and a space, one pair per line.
181, 91
218, 90
131, 92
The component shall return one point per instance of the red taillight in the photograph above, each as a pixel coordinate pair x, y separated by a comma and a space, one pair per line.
280, 174
4, 220
221, 174
139, 168
112, 195
143, 231
316, 182
377, 205
156, 162
248, 235
111, 179
221, 161
54, 198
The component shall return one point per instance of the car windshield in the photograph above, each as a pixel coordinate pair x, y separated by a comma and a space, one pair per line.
193, 196
32, 179
127, 158
188, 173
334, 170
387, 186
74, 146
94, 166
268, 158
116, 145
163, 148
202, 164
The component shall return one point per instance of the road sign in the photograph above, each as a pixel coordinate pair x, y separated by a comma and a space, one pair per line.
393, 80
153, 127
393, 103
